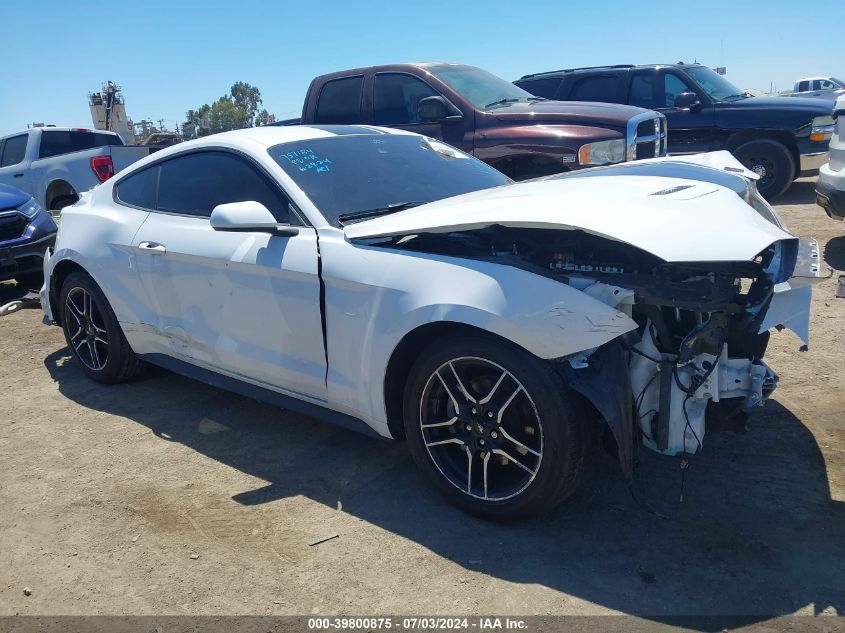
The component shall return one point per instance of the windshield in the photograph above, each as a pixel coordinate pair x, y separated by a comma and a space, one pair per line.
716, 86
838, 81
364, 173
479, 87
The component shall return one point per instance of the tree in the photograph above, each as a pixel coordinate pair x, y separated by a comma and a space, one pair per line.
246, 97
234, 111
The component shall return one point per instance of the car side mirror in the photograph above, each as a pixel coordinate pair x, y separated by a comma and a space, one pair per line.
248, 217
688, 101
437, 110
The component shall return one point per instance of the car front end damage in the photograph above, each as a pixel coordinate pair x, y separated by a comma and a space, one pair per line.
697, 356
687, 249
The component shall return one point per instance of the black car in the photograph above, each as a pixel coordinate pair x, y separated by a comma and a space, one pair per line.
26, 231
780, 138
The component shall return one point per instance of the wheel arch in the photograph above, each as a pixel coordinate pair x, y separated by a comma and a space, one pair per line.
737, 139
57, 189
57, 278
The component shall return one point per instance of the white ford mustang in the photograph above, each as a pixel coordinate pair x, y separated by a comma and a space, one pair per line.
394, 284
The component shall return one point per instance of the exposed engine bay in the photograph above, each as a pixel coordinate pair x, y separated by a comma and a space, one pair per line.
699, 343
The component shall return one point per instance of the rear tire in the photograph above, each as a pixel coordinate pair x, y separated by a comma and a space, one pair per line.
92, 332
772, 161
493, 427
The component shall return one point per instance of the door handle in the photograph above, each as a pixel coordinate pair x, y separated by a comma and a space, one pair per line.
153, 246
17, 175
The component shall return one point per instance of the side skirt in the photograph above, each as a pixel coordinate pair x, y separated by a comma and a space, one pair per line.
260, 393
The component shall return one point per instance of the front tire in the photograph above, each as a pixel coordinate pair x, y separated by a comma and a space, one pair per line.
92, 332
493, 427
772, 161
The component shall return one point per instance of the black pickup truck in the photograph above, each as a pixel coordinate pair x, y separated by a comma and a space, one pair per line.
779, 138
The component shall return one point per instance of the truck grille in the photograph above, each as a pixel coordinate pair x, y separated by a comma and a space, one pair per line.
646, 136
12, 226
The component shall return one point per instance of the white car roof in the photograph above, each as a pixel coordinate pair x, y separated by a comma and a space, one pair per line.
270, 135
261, 138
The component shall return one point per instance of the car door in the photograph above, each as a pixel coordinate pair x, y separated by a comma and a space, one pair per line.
691, 130
246, 304
13, 163
396, 98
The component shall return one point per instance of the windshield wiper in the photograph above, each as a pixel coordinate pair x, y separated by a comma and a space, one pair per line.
349, 218
502, 102
537, 99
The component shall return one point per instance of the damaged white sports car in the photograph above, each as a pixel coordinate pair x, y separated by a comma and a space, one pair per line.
396, 285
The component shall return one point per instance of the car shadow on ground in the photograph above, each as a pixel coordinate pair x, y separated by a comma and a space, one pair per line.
800, 192
757, 533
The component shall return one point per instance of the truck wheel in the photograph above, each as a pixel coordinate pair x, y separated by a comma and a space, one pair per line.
92, 332
63, 201
493, 427
772, 161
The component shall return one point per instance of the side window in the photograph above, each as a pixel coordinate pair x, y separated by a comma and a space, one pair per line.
598, 88
14, 150
641, 92
139, 189
672, 87
541, 87
803, 86
57, 142
196, 183
824, 84
340, 101
396, 98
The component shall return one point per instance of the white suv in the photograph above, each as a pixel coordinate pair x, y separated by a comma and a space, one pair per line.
830, 188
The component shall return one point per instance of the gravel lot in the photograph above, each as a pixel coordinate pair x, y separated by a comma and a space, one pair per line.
166, 496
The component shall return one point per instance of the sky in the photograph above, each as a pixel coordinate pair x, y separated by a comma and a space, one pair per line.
173, 56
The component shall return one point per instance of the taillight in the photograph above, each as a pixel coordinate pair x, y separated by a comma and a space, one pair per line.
103, 167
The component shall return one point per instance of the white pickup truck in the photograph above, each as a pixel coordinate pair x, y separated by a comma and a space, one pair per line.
55, 165
823, 87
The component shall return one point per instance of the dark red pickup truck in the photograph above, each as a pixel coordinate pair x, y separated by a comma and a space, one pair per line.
521, 135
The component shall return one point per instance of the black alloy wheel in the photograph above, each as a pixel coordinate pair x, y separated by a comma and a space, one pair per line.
494, 427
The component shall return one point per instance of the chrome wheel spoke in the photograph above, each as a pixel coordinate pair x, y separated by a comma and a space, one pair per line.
461, 386
434, 425
485, 460
95, 358
451, 440
82, 341
469, 468
499, 451
448, 391
501, 411
513, 440
74, 310
489, 396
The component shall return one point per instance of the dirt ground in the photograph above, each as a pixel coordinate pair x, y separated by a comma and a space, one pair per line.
166, 496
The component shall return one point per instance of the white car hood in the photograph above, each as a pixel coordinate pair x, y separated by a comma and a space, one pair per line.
678, 220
